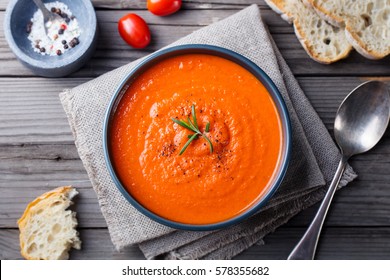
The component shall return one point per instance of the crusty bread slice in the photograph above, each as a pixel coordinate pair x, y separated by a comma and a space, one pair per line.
366, 22
322, 41
331, 11
47, 229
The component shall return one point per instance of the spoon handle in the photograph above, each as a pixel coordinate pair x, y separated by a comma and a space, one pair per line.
46, 13
306, 247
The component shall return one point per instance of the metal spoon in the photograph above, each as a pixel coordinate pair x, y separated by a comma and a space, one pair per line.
361, 121
48, 17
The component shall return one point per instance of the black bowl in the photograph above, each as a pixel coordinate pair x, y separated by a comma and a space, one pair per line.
238, 59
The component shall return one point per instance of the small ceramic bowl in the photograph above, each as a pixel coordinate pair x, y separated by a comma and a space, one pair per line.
19, 14
238, 59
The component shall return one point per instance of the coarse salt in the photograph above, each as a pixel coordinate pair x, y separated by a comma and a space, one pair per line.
55, 42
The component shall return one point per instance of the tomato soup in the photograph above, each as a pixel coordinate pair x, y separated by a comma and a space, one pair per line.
235, 115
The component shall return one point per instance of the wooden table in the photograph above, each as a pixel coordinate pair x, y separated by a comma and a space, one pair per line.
37, 152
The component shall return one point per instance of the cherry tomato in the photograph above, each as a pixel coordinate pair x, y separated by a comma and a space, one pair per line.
163, 7
134, 30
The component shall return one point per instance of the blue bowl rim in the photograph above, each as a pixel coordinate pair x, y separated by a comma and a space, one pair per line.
41, 64
242, 61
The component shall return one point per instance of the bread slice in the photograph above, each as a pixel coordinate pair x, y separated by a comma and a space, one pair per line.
366, 22
331, 11
47, 229
323, 42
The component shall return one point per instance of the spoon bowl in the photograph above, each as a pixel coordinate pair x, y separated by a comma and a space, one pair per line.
48, 17
361, 119
360, 123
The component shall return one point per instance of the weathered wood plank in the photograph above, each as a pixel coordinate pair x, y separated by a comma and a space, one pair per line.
112, 52
13, 203
364, 202
40, 158
140, 4
30, 110
96, 244
41, 168
37, 151
335, 243
29, 170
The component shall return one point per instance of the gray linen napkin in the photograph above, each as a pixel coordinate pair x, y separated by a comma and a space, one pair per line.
314, 157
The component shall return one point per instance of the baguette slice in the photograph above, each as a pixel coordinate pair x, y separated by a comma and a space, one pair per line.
47, 229
366, 22
323, 42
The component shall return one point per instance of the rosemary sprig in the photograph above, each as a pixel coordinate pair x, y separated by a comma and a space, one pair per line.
192, 125
207, 127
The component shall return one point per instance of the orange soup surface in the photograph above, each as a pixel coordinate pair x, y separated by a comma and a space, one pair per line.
197, 187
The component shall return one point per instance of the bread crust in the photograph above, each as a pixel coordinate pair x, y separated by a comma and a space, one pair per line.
277, 7
39, 204
299, 32
358, 45
351, 32
282, 7
325, 14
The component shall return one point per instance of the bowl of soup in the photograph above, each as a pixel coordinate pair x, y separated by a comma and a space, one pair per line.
197, 137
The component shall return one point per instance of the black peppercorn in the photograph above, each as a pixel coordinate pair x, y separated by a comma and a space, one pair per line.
67, 20
55, 10
42, 49
58, 52
66, 46
63, 42
61, 31
74, 42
